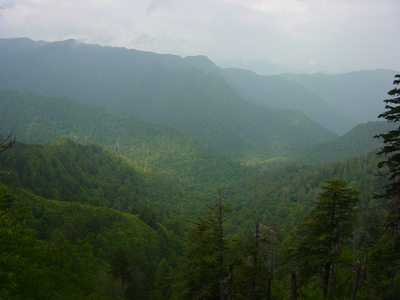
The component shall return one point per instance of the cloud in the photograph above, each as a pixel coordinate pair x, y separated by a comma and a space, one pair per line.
343, 34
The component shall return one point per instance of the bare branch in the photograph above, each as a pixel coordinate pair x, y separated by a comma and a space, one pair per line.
7, 142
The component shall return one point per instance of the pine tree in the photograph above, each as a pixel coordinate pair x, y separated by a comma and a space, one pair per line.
324, 230
391, 195
120, 269
391, 150
207, 251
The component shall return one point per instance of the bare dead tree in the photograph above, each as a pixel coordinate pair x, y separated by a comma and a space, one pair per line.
7, 142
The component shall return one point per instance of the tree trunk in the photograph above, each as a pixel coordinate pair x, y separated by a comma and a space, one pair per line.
327, 271
230, 283
221, 248
256, 237
293, 287
358, 269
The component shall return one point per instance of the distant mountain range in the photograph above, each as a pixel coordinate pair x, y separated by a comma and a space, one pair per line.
263, 67
125, 161
237, 112
165, 89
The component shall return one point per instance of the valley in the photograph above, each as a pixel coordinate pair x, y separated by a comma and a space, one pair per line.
136, 175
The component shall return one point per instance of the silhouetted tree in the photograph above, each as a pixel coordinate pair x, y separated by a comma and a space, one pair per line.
391, 150
6, 142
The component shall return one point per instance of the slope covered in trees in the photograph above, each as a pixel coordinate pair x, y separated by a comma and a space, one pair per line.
343, 92
172, 219
278, 198
145, 85
55, 250
93, 175
38, 119
357, 141
97, 74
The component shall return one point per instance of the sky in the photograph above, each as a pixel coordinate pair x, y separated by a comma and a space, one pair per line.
341, 35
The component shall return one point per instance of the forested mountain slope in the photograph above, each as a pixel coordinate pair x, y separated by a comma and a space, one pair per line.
137, 84
64, 250
277, 91
282, 195
91, 174
92, 236
105, 206
98, 74
337, 101
358, 95
357, 141
39, 119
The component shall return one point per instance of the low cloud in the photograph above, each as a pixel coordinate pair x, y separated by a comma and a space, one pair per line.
342, 34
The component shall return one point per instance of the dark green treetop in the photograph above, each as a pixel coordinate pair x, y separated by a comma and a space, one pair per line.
325, 229
391, 150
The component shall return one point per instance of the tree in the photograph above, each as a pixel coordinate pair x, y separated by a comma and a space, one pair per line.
207, 251
6, 142
325, 229
120, 268
391, 195
391, 150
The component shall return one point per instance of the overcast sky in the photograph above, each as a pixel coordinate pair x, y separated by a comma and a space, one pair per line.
342, 35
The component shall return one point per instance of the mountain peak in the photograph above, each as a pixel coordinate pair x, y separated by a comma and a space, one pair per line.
201, 62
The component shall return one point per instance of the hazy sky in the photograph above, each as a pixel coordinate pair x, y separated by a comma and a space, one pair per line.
338, 34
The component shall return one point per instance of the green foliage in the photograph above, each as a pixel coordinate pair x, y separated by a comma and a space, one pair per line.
164, 89
208, 254
325, 230
90, 174
357, 141
391, 150
34, 269
80, 245
39, 119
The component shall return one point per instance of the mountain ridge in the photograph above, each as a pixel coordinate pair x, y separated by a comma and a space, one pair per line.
202, 104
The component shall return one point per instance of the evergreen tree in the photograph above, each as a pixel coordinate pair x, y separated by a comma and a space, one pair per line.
325, 229
120, 269
391, 150
207, 251
390, 250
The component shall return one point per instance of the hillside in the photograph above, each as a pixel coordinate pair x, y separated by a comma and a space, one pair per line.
358, 95
144, 85
64, 250
39, 119
357, 141
95, 74
336, 101
90, 174
280, 196
136, 175
93, 236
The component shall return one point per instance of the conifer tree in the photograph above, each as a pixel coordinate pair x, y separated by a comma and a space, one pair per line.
120, 268
390, 251
325, 228
207, 251
391, 150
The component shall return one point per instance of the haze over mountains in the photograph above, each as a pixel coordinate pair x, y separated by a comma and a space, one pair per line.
185, 117
164, 89
168, 89
263, 67
118, 150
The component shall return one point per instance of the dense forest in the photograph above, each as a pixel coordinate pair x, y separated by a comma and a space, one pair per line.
185, 188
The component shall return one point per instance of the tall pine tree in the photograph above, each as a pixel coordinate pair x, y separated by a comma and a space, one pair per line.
325, 229
391, 150
207, 268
